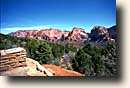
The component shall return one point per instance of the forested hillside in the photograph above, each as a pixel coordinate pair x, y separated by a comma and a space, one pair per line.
89, 60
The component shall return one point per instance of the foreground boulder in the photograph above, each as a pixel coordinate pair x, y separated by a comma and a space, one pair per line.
13, 62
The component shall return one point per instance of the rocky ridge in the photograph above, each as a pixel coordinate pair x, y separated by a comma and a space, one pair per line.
98, 33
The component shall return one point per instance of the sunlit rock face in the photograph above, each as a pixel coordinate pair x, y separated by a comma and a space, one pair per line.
77, 34
50, 34
97, 33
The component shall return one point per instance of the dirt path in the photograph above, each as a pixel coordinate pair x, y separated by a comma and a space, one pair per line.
61, 71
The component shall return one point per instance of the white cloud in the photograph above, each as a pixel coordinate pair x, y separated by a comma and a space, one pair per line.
25, 28
35, 27
13, 29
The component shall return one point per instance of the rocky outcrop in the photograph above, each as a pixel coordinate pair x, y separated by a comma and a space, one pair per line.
12, 58
52, 34
112, 32
31, 33
19, 33
77, 34
47, 34
13, 62
98, 33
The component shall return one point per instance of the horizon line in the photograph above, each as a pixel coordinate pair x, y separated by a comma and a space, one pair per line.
6, 30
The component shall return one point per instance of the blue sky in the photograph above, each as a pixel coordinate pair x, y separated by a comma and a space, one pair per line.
61, 14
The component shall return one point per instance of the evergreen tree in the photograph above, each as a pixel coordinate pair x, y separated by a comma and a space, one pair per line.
44, 54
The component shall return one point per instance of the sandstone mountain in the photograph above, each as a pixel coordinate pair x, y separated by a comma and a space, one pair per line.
47, 34
112, 32
77, 34
52, 34
98, 33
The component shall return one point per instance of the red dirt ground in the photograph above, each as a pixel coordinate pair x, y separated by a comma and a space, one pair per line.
61, 71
